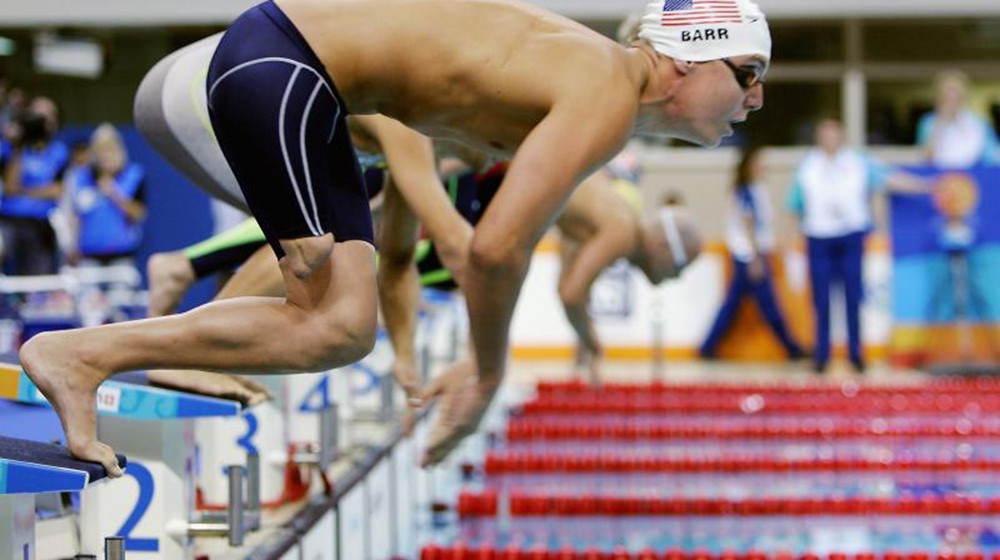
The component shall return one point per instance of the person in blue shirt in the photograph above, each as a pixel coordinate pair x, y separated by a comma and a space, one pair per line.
952, 136
750, 240
108, 200
32, 187
831, 194
5, 153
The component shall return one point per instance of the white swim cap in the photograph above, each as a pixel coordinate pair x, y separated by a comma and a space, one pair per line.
703, 30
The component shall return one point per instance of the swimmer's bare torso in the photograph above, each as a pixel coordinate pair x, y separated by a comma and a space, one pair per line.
484, 72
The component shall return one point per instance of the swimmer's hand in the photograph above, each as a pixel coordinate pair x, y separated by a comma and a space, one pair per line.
464, 400
588, 362
405, 374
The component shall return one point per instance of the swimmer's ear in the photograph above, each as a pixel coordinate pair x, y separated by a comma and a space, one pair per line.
683, 67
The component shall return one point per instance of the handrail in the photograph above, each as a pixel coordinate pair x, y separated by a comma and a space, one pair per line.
289, 534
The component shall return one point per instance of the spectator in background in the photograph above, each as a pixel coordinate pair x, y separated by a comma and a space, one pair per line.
47, 108
831, 194
750, 239
952, 136
107, 197
32, 187
13, 104
63, 218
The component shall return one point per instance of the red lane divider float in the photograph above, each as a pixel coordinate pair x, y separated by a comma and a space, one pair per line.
525, 429
498, 463
535, 505
487, 552
978, 386
589, 404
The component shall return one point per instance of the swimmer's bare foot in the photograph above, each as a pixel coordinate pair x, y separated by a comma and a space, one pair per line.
170, 275
70, 384
220, 385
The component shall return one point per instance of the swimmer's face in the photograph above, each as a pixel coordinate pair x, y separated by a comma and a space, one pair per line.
705, 99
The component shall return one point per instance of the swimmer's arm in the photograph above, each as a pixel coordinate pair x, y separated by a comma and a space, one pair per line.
598, 253
580, 321
563, 149
410, 156
399, 285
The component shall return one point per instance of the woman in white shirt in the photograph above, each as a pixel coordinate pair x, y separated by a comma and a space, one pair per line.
952, 136
750, 239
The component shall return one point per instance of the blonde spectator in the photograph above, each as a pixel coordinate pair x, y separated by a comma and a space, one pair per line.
108, 200
952, 136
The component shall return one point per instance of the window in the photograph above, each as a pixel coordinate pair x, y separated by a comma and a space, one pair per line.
932, 40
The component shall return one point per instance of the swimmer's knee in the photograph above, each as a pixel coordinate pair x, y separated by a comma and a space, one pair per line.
496, 256
342, 338
303, 257
355, 329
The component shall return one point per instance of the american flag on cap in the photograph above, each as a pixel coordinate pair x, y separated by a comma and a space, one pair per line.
699, 12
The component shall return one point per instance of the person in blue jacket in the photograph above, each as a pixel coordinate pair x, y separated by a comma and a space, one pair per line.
108, 201
32, 187
832, 196
751, 241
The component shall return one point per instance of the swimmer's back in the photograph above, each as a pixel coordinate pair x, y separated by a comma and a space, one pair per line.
597, 205
494, 66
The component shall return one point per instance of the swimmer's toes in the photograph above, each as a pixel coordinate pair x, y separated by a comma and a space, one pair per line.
97, 452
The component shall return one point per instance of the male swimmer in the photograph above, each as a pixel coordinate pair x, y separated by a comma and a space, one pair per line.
602, 222
558, 97
404, 264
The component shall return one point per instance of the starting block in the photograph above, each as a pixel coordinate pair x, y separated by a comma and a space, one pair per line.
153, 508
296, 431
28, 468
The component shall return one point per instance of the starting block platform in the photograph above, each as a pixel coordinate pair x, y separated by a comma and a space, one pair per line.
153, 507
127, 395
28, 468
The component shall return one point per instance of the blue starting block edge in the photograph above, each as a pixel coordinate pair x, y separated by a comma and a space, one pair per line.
141, 402
28, 467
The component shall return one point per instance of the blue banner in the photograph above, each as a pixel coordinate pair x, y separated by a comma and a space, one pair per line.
946, 249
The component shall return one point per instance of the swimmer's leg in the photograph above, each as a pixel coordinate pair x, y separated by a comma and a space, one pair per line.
171, 274
259, 276
327, 320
